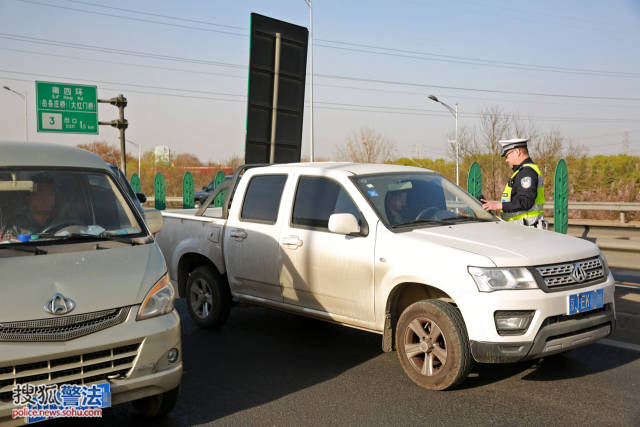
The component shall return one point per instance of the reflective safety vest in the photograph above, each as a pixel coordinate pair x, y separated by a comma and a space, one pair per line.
537, 210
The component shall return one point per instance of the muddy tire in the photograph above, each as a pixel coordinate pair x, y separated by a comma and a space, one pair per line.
432, 345
208, 298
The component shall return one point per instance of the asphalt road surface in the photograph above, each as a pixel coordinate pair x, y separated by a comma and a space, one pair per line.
269, 368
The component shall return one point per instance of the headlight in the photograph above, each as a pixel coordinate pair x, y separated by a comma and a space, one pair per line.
159, 299
497, 279
605, 265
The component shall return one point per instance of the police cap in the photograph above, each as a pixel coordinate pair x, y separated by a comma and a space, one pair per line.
508, 144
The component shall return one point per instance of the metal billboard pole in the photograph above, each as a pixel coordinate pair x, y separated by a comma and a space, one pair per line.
274, 111
310, 4
121, 124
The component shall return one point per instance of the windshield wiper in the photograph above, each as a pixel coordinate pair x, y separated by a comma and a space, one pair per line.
88, 236
25, 248
418, 222
443, 221
463, 218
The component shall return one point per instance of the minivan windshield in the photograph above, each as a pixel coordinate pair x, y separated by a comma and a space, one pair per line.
52, 204
419, 199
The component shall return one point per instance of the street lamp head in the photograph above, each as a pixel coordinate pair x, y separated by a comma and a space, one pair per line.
6, 87
433, 98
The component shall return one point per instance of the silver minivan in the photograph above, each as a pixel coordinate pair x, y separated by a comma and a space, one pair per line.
85, 295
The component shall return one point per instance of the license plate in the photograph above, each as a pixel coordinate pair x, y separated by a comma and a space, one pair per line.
585, 301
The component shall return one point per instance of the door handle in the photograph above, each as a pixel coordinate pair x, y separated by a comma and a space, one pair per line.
238, 234
292, 242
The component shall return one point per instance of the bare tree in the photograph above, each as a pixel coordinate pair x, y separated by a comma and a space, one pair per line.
467, 144
234, 162
367, 146
186, 159
108, 152
495, 125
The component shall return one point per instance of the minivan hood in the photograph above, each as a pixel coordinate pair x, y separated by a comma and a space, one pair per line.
510, 244
95, 280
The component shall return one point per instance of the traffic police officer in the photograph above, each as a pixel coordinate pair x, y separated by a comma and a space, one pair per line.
523, 196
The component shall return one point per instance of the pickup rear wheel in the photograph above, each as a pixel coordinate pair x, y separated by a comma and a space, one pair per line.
208, 298
432, 343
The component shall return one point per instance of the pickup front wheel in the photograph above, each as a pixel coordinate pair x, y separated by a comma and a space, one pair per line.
432, 344
208, 298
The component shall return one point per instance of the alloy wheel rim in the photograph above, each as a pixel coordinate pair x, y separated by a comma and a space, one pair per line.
201, 298
425, 346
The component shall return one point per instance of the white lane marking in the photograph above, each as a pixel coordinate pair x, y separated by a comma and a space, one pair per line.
636, 287
633, 297
620, 344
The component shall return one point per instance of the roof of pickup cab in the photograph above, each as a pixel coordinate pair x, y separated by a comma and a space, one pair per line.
353, 168
38, 154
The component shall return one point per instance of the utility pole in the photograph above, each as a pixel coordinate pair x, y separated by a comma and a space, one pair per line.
121, 123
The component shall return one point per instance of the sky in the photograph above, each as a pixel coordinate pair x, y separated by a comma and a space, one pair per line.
568, 66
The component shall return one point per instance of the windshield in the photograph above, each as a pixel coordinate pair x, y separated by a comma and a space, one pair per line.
55, 204
419, 198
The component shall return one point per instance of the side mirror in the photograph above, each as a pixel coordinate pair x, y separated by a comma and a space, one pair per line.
142, 198
153, 218
343, 223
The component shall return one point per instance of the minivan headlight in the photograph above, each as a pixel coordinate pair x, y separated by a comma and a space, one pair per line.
497, 279
159, 299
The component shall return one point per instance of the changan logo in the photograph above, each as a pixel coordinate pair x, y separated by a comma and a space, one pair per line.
59, 305
578, 273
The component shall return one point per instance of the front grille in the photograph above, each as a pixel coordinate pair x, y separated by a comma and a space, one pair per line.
84, 369
578, 316
62, 328
571, 274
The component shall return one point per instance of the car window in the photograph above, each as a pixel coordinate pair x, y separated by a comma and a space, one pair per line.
262, 199
316, 199
52, 204
127, 187
403, 198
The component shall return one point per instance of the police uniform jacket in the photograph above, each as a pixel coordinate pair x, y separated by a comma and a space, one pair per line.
525, 188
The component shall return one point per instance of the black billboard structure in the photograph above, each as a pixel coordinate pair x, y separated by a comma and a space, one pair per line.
275, 107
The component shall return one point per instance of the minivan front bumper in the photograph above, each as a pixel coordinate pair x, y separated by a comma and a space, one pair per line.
137, 352
556, 335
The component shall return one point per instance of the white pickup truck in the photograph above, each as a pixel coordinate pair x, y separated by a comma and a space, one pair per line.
395, 250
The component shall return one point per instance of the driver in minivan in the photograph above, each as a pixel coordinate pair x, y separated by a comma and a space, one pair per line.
40, 212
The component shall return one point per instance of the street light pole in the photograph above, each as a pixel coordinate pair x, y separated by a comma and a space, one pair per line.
24, 98
457, 152
455, 114
309, 3
139, 154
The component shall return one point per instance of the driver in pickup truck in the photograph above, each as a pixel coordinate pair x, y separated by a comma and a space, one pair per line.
395, 202
523, 196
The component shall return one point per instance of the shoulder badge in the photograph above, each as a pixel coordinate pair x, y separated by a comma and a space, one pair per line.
525, 182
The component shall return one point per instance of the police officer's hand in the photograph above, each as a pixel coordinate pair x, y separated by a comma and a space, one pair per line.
489, 205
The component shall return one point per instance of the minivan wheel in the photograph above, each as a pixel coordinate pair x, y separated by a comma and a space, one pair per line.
157, 405
208, 298
432, 343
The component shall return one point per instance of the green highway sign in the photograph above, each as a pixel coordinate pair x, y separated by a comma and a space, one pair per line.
67, 108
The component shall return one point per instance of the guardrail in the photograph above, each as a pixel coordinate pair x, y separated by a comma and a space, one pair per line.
582, 206
622, 207
618, 241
